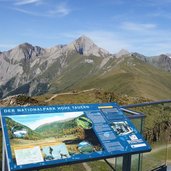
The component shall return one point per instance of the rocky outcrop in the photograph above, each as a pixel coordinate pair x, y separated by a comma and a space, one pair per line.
87, 47
122, 53
19, 100
163, 62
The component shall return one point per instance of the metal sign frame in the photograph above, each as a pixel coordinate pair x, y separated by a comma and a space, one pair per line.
112, 117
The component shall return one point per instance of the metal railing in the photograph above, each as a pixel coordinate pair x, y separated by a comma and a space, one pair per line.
162, 167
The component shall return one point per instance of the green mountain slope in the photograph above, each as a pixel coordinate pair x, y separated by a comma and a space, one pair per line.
56, 128
127, 74
79, 69
133, 77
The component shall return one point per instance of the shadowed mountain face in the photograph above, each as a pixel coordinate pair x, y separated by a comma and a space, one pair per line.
33, 70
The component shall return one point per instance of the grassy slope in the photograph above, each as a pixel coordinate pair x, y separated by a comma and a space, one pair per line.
135, 78
128, 75
89, 96
49, 130
76, 72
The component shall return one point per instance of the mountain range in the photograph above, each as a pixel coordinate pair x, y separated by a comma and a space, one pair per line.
81, 64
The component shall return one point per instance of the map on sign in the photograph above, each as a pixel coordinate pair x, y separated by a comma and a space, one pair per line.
36, 137
28, 155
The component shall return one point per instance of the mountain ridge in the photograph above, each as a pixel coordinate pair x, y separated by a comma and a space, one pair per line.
33, 70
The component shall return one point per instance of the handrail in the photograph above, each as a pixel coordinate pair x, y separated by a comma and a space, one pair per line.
146, 104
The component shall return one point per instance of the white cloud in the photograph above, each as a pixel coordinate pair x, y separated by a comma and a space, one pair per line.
26, 2
137, 26
31, 12
60, 10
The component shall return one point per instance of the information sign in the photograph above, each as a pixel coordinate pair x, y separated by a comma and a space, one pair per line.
46, 136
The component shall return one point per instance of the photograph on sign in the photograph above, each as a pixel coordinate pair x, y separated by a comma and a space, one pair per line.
121, 128
43, 137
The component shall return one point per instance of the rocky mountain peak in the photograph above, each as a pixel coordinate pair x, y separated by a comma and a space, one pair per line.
122, 52
25, 51
86, 46
139, 56
28, 48
83, 44
25, 46
84, 40
164, 58
169, 55
162, 61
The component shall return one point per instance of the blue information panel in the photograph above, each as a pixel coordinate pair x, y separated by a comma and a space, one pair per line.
46, 136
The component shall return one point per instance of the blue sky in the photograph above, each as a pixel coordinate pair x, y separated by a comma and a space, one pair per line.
143, 26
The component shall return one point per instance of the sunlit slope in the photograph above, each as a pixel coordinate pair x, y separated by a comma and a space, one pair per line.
133, 77
79, 70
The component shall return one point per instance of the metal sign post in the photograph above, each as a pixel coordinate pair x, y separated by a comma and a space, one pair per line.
126, 166
4, 157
